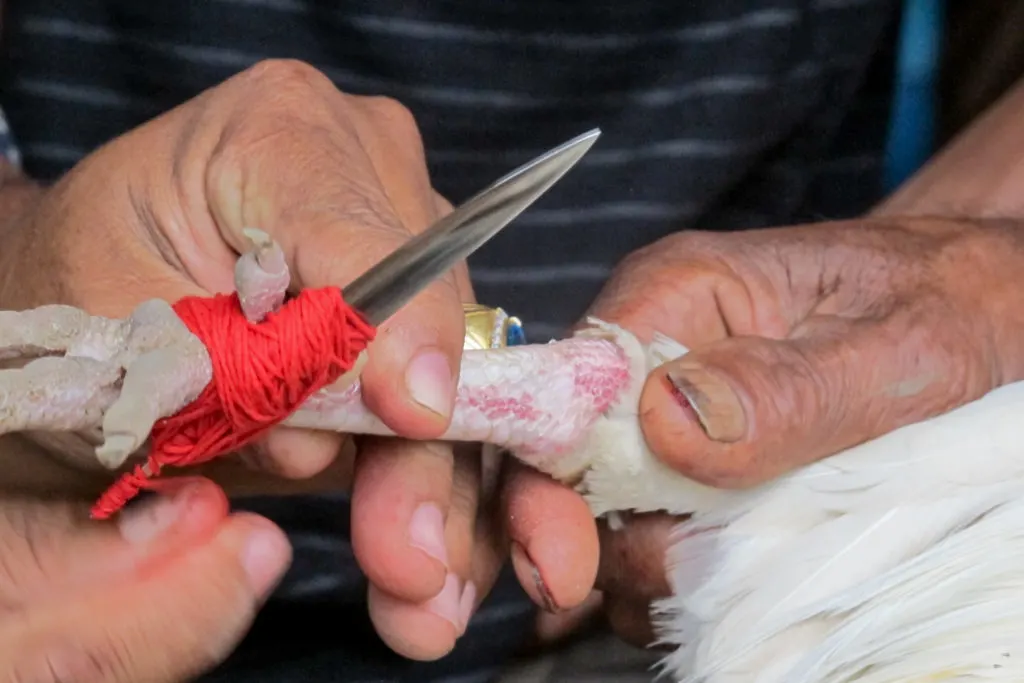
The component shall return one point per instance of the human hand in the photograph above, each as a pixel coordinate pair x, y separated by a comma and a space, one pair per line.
339, 182
161, 596
804, 341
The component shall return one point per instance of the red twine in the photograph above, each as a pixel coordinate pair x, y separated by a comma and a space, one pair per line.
262, 372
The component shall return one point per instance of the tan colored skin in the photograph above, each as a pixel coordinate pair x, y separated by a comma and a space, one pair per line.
856, 328
338, 181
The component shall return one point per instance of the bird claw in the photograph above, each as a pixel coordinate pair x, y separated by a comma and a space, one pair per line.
116, 449
121, 375
261, 276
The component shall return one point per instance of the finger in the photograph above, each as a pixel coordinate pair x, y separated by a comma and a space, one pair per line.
401, 496
391, 139
475, 526
633, 558
410, 376
171, 622
477, 547
436, 522
52, 550
672, 287
294, 453
413, 368
554, 539
415, 630
644, 299
744, 410
334, 220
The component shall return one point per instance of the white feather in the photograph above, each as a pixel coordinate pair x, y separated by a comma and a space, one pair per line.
900, 560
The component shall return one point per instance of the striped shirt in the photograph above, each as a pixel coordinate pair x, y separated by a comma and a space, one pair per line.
717, 114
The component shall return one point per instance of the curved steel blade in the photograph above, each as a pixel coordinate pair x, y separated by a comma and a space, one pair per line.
389, 285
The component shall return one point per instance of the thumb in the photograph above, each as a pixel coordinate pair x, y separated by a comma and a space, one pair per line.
743, 410
179, 613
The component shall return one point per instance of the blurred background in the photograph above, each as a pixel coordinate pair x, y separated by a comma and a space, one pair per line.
955, 59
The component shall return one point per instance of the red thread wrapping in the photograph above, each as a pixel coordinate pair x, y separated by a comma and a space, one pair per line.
262, 372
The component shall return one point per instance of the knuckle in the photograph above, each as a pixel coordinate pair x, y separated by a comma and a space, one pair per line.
637, 260
398, 118
683, 254
294, 112
363, 229
694, 242
278, 132
288, 74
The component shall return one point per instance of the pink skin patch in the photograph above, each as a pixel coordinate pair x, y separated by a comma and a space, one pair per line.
489, 401
602, 382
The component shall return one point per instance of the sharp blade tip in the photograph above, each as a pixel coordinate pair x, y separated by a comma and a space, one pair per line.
582, 143
586, 139
568, 154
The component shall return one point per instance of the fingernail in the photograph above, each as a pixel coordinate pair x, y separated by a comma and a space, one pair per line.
265, 558
429, 380
141, 523
467, 604
713, 402
519, 555
448, 603
426, 532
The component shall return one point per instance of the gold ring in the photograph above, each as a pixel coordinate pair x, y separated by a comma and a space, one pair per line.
491, 328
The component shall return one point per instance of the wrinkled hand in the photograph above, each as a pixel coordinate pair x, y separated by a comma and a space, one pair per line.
162, 596
338, 181
804, 341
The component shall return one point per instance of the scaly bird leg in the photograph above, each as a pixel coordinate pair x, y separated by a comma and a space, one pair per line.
74, 382
65, 394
